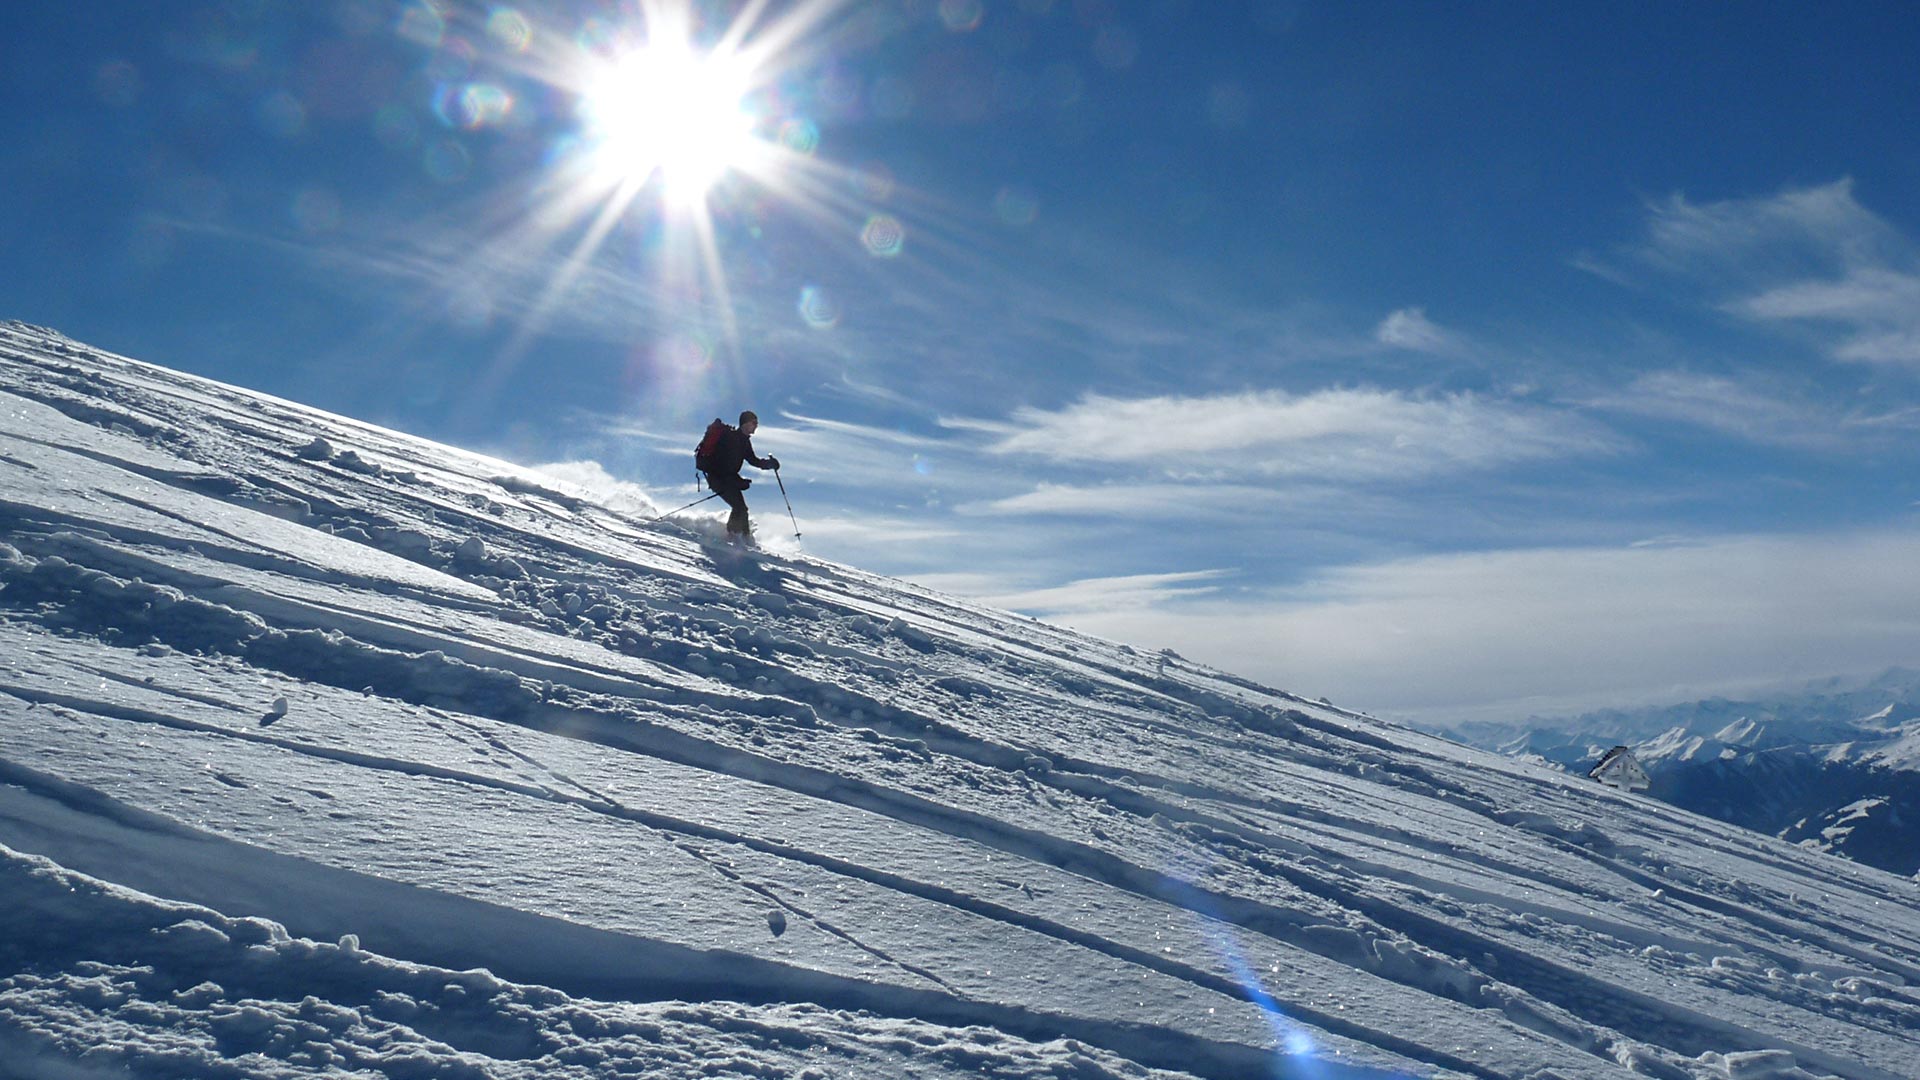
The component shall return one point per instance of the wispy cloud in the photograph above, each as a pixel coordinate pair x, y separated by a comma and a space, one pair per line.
1345, 433
876, 531
1409, 328
1811, 255
1185, 501
1898, 419
874, 457
1877, 308
1110, 594
1754, 410
1795, 230
804, 426
1557, 629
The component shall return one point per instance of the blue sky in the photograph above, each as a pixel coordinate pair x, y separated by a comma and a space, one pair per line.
1445, 360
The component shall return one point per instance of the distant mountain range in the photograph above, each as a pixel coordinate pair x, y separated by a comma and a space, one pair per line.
1833, 766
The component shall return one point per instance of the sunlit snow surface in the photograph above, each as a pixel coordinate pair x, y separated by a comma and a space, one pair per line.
326, 751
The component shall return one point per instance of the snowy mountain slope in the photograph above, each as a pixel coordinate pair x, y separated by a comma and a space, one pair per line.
1818, 797
1857, 718
1835, 767
699, 813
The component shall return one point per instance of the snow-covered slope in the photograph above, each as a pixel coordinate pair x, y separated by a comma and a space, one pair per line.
304, 723
1834, 767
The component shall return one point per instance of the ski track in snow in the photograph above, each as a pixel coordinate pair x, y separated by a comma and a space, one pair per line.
686, 806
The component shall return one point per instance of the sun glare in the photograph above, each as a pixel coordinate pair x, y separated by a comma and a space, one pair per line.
664, 110
682, 131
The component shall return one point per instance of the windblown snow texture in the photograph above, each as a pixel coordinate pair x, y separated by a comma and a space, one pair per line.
327, 751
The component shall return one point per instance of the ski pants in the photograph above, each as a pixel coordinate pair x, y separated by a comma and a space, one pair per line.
737, 521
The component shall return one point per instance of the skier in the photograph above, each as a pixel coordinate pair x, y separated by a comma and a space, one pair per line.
733, 447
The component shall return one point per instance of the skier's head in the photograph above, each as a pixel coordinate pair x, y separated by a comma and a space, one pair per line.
749, 420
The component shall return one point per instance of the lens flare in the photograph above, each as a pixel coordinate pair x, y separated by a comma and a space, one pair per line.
452, 62
281, 115
511, 29
1294, 1040
484, 104
471, 106
838, 91
874, 182
680, 366
683, 354
1062, 85
884, 236
596, 37
818, 309
962, 16
1016, 206
800, 136
423, 23
675, 130
316, 210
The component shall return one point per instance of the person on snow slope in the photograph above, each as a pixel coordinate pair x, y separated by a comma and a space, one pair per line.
734, 449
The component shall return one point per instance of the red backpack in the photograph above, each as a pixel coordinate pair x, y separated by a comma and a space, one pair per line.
703, 455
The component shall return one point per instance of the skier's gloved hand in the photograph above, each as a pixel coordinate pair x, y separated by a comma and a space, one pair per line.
773, 463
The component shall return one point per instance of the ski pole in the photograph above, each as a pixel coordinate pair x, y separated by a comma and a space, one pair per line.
689, 506
789, 502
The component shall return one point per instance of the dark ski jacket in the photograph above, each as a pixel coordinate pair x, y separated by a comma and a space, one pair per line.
735, 449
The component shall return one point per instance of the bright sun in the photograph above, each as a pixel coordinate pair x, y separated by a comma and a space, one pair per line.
664, 110
684, 132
